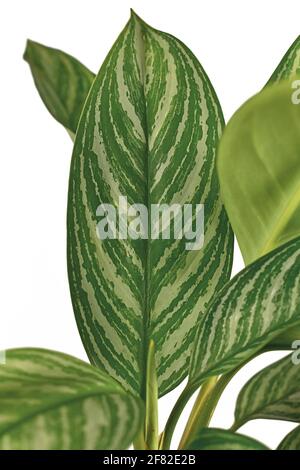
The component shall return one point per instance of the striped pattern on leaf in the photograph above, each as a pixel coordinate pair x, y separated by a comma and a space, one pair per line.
291, 441
221, 439
273, 393
289, 66
149, 131
62, 82
49, 400
258, 304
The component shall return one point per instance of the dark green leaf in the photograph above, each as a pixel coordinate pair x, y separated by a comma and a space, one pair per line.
291, 441
62, 82
221, 439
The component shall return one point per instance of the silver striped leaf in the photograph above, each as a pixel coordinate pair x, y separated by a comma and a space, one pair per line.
257, 305
291, 440
62, 82
273, 393
289, 66
49, 400
149, 132
221, 439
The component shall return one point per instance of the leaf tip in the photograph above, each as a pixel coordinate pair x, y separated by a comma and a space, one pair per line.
136, 18
29, 49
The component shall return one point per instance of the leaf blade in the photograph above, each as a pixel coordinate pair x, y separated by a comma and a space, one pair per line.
221, 439
272, 393
135, 153
258, 171
289, 66
50, 400
291, 440
255, 307
62, 82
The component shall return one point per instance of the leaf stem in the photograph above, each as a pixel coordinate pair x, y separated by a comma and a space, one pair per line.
174, 417
199, 404
139, 442
151, 419
207, 401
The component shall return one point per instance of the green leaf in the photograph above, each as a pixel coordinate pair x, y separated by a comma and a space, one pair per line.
273, 393
249, 153
259, 171
291, 441
149, 132
49, 400
289, 65
256, 306
62, 82
221, 439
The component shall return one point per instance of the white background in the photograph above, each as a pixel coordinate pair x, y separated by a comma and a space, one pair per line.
239, 43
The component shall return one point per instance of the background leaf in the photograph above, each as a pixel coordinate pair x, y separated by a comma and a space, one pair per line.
291, 441
289, 65
149, 132
49, 400
62, 82
273, 393
257, 305
259, 171
221, 439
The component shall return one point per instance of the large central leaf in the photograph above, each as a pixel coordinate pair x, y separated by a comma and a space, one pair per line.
148, 131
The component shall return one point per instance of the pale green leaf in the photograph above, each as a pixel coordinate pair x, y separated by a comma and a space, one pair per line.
221, 439
291, 441
256, 306
49, 400
259, 171
62, 82
149, 132
273, 393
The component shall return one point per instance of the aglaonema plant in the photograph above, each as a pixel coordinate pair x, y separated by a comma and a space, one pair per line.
149, 311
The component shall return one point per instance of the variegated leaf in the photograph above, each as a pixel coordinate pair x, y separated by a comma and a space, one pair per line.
62, 82
273, 393
221, 439
49, 400
289, 66
256, 306
291, 441
149, 132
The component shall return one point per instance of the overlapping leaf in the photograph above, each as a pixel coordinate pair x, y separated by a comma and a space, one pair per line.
221, 439
291, 441
259, 171
62, 82
49, 400
148, 132
256, 306
273, 393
